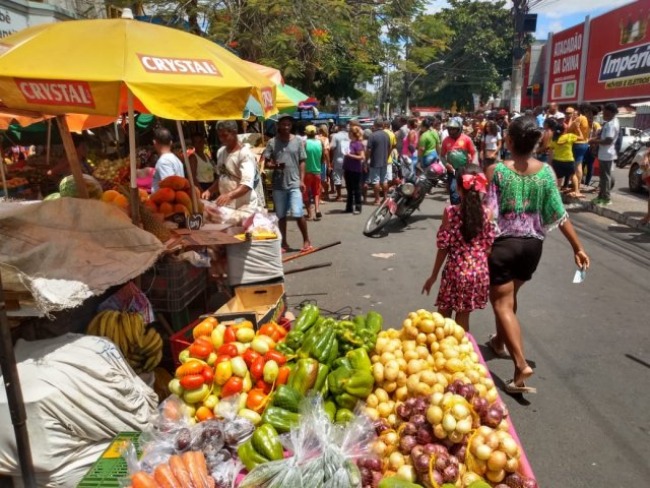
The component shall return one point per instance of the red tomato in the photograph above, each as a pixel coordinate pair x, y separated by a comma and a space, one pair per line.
257, 368
208, 374
192, 381
229, 335
200, 349
264, 386
232, 386
228, 350
276, 356
250, 356
283, 375
221, 359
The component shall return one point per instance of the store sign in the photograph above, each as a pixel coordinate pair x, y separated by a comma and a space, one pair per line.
157, 64
618, 65
60, 92
566, 57
11, 22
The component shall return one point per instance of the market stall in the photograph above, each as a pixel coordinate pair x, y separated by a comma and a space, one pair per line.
332, 401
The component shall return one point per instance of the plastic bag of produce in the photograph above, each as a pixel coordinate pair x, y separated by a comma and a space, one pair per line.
236, 430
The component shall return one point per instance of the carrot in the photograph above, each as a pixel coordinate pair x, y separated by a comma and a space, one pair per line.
180, 471
165, 478
143, 480
203, 467
192, 466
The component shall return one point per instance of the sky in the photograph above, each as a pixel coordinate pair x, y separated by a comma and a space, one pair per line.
556, 15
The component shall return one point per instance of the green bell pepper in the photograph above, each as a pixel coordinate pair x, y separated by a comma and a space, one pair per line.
374, 322
359, 359
282, 420
284, 348
295, 339
249, 456
287, 398
360, 384
304, 376
344, 415
345, 400
341, 362
267, 442
330, 409
321, 378
337, 379
308, 316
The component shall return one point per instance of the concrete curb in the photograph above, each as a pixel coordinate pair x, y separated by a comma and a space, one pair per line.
609, 212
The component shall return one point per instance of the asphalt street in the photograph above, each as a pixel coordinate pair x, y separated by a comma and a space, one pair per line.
589, 424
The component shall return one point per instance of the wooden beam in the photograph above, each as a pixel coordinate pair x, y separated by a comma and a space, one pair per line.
73, 158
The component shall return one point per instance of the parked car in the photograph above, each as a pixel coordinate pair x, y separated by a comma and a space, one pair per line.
636, 182
625, 138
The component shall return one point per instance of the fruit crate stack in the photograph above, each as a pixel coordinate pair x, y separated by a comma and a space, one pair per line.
172, 284
111, 467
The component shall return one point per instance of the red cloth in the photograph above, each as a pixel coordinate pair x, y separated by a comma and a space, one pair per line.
312, 186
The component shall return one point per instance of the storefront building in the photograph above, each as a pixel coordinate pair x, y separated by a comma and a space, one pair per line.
604, 59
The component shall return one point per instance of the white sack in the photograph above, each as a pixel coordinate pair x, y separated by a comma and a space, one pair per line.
79, 393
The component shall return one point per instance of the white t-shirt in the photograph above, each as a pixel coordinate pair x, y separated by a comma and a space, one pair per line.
340, 144
607, 152
492, 141
234, 169
167, 165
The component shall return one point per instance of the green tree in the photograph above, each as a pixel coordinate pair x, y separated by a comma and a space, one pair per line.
478, 55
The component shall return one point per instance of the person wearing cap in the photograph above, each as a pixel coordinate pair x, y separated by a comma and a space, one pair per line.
315, 151
285, 154
457, 150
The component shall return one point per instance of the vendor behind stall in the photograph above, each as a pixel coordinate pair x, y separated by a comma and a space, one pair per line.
202, 168
63, 168
236, 170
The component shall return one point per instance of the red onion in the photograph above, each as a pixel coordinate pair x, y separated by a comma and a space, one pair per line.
450, 474
436, 449
366, 476
420, 420
376, 478
407, 443
409, 429
459, 451
404, 411
514, 480
453, 460
410, 402
417, 451
530, 483
442, 461
493, 416
380, 426
373, 464
480, 405
437, 477
421, 463
421, 405
424, 435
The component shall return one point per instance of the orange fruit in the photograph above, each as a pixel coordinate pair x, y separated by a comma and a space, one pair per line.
166, 209
110, 195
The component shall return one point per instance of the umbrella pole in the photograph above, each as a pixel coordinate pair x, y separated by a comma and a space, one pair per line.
188, 168
135, 196
73, 158
4, 178
15, 396
48, 147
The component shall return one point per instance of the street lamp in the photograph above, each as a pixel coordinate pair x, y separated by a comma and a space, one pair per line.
408, 87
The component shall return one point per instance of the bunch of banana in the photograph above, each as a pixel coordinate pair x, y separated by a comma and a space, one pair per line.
143, 350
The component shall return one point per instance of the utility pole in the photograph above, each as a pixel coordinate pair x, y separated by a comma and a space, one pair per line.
519, 10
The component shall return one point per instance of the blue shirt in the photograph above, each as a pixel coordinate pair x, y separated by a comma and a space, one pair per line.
167, 165
540, 120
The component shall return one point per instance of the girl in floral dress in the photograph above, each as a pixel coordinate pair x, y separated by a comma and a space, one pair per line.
464, 241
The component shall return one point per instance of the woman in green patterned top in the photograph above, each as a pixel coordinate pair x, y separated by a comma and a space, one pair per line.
525, 202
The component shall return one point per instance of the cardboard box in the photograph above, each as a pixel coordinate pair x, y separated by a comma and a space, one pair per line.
268, 302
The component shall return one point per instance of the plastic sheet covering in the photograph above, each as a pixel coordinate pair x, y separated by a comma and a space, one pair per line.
64, 251
79, 394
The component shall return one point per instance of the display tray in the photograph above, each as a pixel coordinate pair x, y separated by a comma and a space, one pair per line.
525, 468
111, 466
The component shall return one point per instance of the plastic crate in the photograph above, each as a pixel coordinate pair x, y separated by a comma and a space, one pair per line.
171, 285
183, 338
111, 466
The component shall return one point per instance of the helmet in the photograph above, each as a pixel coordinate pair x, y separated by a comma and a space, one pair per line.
454, 124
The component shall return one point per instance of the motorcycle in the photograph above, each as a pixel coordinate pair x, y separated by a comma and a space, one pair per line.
405, 198
630, 152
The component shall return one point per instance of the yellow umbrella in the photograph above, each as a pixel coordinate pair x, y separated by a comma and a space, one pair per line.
110, 66
171, 73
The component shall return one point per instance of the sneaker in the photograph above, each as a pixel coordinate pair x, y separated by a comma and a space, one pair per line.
356, 212
601, 201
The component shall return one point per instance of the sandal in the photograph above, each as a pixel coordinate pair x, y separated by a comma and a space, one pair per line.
307, 249
512, 388
500, 353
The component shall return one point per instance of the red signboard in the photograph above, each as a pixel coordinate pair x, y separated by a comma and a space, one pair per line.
60, 92
566, 57
618, 65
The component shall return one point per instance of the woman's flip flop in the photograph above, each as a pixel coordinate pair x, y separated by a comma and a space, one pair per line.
500, 353
513, 389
